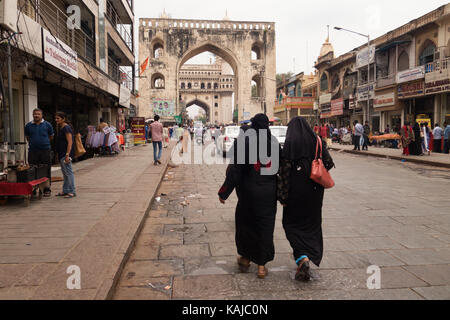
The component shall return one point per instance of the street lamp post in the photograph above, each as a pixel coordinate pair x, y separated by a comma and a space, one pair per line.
368, 66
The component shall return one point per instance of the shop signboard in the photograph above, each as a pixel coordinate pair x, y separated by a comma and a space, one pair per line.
363, 91
411, 89
325, 98
124, 96
337, 107
300, 102
351, 103
363, 56
132, 111
163, 108
59, 54
138, 130
411, 74
325, 115
437, 83
384, 100
424, 121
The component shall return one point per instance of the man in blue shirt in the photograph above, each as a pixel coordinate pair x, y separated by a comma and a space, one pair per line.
446, 138
39, 133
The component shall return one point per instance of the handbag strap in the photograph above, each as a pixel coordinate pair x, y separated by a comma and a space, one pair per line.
319, 143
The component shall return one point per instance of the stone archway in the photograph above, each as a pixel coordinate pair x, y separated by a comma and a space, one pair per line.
202, 105
231, 40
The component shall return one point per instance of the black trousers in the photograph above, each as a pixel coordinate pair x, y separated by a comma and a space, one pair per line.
446, 146
437, 146
42, 157
356, 142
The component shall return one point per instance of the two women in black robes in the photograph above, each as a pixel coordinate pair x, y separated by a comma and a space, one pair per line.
257, 196
301, 197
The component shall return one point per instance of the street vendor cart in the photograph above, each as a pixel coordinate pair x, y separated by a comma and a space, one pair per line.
24, 189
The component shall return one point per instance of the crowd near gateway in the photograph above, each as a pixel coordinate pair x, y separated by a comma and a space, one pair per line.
166, 157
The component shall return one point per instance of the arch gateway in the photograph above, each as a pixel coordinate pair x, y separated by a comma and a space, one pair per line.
248, 47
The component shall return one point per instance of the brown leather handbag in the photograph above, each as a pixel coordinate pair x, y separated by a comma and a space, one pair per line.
319, 173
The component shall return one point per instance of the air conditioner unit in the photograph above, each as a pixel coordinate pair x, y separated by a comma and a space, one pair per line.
8, 15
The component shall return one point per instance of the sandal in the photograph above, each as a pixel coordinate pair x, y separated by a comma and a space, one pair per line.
70, 195
244, 264
303, 271
262, 272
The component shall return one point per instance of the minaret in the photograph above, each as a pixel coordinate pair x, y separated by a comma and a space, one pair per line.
226, 16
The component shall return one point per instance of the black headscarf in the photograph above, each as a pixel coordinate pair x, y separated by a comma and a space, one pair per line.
261, 122
301, 141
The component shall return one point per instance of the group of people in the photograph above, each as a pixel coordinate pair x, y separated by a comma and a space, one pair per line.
419, 139
39, 134
258, 193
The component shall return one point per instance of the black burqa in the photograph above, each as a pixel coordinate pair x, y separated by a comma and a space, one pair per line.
257, 199
415, 147
302, 215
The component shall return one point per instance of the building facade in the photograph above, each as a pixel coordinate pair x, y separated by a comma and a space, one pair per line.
83, 67
296, 97
248, 47
408, 81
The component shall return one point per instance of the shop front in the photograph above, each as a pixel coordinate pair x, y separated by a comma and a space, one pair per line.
437, 84
387, 105
414, 103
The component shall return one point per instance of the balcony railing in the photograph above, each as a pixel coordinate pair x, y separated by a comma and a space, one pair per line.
437, 65
119, 75
55, 21
121, 28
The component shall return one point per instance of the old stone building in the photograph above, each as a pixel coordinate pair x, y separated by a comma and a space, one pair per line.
210, 87
248, 47
409, 77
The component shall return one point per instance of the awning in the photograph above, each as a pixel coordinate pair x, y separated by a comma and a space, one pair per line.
392, 44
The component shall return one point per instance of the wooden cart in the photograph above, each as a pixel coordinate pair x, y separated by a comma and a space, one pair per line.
9, 189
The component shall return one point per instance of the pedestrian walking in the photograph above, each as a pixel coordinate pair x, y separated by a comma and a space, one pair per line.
65, 150
366, 136
257, 200
165, 137
301, 197
425, 137
446, 138
156, 131
438, 135
39, 134
407, 135
415, 147
359, 131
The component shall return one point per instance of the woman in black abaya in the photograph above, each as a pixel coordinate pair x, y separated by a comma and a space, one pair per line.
415, 148
301, 197
257, 199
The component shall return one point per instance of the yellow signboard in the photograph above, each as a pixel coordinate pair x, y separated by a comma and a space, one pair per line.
426, 121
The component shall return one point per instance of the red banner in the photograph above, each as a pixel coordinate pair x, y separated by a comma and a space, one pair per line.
337, 107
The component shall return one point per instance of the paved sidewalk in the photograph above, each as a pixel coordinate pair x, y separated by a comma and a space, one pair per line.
436, 159
94, 231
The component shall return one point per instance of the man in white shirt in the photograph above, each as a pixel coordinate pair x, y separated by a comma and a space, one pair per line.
437, 137
359, 131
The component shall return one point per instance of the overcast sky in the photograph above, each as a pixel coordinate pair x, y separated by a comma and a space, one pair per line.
301, 26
